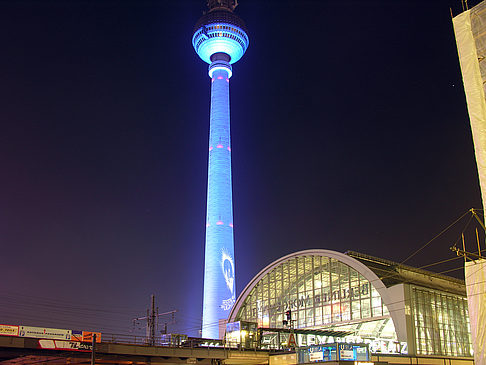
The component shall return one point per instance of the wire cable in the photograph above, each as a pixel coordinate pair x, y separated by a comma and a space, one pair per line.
438, 235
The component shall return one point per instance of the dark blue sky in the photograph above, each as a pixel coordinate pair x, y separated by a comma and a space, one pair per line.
349, 132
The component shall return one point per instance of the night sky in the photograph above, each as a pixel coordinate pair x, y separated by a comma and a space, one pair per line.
349, 132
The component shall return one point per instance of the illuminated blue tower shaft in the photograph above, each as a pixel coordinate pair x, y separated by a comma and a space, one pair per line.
220, 39
219, 269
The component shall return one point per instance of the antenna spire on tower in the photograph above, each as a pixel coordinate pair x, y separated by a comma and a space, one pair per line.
222, 4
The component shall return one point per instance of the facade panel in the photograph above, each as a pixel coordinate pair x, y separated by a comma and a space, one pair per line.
441, 323
470, 32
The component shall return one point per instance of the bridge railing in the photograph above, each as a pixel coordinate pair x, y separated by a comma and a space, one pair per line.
191, 342
124, 339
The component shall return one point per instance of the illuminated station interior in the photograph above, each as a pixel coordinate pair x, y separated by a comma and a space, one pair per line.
318, 297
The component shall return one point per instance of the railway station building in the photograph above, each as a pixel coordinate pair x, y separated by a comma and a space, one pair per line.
320, 296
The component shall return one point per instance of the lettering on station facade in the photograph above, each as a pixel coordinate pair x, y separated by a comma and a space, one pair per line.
316, 300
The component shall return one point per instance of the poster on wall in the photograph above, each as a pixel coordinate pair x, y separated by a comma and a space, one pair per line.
346, 352
316, 356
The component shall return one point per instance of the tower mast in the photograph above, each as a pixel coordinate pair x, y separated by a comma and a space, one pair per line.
220, 40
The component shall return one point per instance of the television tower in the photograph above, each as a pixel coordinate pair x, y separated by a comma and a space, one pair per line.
219, 39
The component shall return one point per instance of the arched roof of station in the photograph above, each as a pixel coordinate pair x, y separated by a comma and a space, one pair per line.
361, 268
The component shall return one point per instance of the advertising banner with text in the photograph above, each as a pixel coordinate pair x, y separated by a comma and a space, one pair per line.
40, 332
85, 336
8, 330
64, 345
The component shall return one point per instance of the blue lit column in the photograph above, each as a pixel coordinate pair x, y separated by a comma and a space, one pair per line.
219, 39
219, 268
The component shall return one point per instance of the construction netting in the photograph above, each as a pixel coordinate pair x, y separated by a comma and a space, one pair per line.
470, 31
475, 272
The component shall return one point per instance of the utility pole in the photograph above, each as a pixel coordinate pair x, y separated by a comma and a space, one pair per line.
470, 255
93, 354
172, 321
478, 218
152, 319
463, 252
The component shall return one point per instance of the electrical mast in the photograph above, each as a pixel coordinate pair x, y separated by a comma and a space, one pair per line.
152, 319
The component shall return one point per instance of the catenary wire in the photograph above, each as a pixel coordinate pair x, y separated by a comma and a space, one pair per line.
438, 235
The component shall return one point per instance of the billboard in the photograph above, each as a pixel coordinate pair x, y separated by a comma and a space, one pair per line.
64, 345
7, 330
85, 336
40, 332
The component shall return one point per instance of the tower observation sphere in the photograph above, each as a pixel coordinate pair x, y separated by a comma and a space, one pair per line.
220, 39
220, 31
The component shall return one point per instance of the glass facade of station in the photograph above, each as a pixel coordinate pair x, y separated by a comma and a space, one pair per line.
441, 323
320, 292
329, 292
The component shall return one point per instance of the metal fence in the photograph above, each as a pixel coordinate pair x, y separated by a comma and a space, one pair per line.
189, 342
